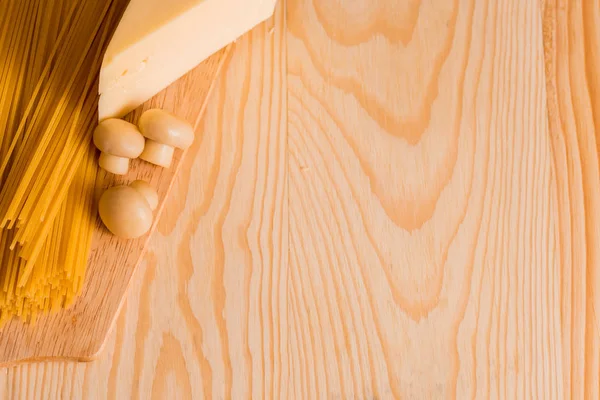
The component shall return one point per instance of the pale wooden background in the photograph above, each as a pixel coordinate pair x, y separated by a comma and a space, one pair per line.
391, 198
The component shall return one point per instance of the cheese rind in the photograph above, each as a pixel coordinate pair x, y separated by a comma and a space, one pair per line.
158, 41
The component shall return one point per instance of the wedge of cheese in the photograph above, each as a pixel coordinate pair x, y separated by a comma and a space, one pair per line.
158, 41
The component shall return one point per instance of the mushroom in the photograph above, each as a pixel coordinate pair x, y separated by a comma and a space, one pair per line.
127, 210
163, 131
147, 191
118, 142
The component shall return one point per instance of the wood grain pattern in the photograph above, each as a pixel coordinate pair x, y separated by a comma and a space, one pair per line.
422, 228
390, 199
202, 315
80, 331
572, 48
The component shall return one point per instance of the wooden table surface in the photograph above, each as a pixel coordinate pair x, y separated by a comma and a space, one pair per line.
392, 199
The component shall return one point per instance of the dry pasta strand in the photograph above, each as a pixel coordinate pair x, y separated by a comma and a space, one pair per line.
50, 55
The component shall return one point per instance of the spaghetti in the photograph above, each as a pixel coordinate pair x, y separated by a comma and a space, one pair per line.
50, 55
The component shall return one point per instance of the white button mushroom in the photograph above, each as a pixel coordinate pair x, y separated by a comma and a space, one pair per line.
147, 191
127, 210
118, 142
164, 132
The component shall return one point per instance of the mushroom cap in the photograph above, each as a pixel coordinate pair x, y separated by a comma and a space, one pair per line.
125, 212
164, 127
146, 190
119, 138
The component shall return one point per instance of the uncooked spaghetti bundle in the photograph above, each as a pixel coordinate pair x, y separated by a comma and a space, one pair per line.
50, 56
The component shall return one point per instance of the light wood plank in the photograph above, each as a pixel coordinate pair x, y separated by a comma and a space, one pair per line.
443, 193
572, 44
203, 314
424, 260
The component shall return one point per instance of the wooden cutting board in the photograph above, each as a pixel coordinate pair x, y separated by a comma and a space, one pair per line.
79, 331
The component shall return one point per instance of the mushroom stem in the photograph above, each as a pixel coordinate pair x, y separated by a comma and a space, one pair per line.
114, 164
157, 153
